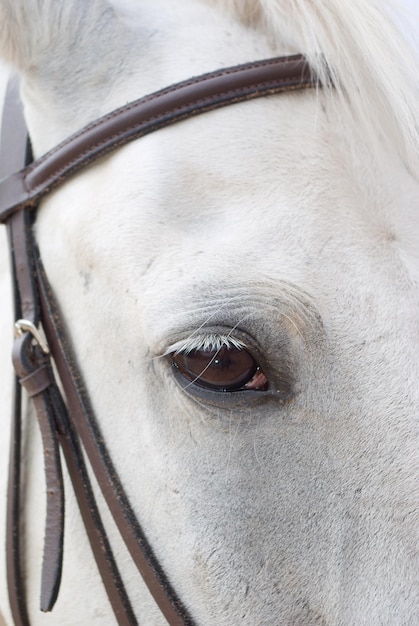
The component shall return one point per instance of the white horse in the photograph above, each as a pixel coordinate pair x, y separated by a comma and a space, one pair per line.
285, 229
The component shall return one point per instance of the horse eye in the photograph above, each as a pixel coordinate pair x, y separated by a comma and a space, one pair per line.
225, 369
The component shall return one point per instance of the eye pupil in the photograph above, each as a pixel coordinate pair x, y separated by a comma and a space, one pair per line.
225, 369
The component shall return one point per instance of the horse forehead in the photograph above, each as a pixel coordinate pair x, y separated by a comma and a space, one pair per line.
225, 167
247, 177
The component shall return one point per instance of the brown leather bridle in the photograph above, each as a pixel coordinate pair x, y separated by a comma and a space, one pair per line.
69, 424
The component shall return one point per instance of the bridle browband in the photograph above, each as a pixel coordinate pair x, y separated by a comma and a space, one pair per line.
69, 424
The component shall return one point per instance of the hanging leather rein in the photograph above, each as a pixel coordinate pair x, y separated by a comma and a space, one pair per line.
69, 424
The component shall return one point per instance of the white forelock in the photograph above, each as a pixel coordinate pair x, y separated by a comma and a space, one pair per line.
368, 47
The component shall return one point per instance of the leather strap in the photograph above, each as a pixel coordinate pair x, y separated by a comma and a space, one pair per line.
139, 118
72, 425
12, 156
35, 374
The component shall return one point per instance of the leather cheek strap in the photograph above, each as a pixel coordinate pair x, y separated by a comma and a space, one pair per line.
35, 374
32, 366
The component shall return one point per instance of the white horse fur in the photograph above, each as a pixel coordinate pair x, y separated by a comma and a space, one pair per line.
289, 225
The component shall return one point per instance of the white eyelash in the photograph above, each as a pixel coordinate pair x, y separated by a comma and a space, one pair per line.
206, 342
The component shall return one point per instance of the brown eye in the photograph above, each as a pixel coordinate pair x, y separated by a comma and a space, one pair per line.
225, 369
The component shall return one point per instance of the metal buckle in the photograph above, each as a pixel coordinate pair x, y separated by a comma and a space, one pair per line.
26, 326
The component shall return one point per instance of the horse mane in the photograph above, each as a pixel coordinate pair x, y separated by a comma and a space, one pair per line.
367, 48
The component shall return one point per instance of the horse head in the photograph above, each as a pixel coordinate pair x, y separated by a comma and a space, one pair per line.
240, 292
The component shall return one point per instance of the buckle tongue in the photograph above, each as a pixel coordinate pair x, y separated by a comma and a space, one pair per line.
26, 326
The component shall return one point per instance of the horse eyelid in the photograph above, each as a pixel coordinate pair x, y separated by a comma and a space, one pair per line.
210, 342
